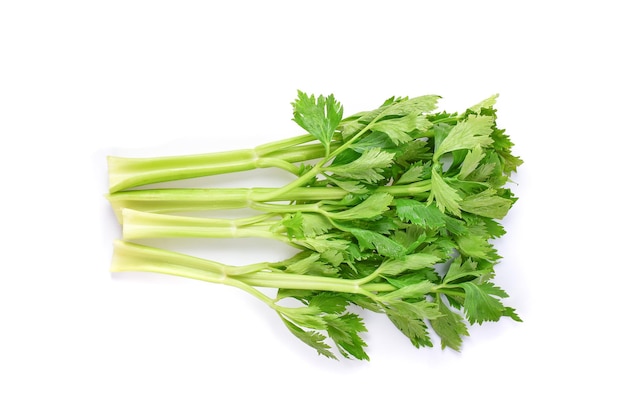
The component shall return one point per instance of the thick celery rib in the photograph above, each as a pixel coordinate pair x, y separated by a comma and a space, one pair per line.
129, 256
144, 225
170, 200
126, 173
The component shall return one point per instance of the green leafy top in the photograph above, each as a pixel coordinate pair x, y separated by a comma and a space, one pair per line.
320, 117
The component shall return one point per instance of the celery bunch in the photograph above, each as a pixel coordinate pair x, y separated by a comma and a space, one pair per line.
392, 210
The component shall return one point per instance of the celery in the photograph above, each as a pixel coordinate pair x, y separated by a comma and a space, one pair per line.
393, 210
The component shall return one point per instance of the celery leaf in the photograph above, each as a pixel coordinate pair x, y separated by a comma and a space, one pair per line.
475, 130
320, 117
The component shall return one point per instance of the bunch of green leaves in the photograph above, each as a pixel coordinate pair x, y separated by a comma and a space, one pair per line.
398, 216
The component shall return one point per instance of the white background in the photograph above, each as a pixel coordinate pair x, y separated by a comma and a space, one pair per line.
80, 80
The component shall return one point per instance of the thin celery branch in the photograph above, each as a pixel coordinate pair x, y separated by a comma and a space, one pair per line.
277, 163
280, 145
284, 208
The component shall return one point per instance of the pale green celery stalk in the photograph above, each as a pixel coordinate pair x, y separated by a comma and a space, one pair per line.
144, 225
133, 257
129, 256
169, 200
126, 173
